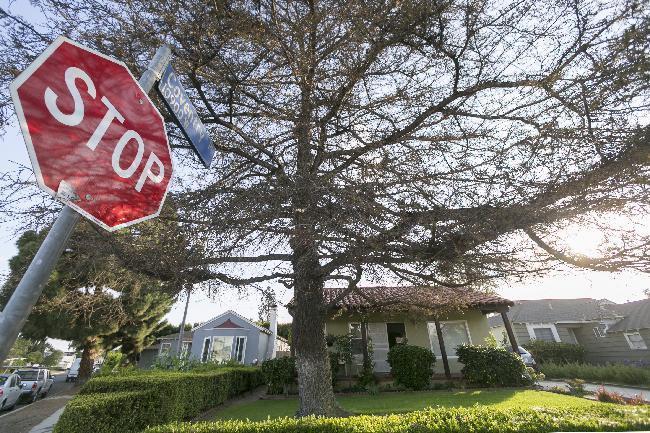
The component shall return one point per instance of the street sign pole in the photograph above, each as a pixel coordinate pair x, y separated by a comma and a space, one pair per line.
16, 312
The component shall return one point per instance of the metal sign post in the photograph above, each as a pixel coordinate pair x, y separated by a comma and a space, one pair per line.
17, 310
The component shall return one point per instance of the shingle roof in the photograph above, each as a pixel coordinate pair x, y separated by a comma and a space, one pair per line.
633, 315
413, 298
559, 310
636, 316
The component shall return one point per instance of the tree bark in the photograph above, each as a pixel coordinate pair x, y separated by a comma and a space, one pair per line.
316, 395
87, 359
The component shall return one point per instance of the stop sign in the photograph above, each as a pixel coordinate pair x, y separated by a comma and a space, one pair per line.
90, 127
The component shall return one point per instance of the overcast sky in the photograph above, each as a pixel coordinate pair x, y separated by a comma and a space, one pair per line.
620, 287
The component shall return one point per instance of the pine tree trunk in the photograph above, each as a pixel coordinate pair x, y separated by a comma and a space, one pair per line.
87, 360
315, 392
316, 395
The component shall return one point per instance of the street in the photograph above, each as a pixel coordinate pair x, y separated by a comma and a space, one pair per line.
25, 417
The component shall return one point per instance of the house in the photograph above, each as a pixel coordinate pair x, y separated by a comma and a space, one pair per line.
230, 336
609, 332
438, 318
66, 360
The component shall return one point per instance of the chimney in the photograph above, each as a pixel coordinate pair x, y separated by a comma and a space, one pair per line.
273, 327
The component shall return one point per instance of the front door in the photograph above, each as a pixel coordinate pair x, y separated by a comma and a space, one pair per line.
378, 335
396, 334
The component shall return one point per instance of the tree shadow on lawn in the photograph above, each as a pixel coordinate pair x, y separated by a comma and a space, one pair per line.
399, 402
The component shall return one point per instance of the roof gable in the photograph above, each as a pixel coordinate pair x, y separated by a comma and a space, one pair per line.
636, 316
228, 324
228, 316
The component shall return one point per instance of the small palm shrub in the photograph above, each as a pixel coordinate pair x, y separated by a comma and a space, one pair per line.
609, 396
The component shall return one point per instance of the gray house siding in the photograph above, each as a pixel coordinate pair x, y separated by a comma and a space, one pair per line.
522, 336
521, 333
147, 358
565, 334
613, 347
255, 338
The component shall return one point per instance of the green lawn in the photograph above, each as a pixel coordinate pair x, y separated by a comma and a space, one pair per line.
395, 402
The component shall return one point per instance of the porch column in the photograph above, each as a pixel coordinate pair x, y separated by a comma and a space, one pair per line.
443, 351
364, 342
511, 334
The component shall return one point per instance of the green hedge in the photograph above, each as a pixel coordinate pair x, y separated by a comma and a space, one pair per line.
551, 351
612, 373
128, 404
492, 366
441, 420
279, 373
411, 366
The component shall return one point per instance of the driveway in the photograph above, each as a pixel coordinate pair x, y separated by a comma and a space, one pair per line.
26, 417
625, 391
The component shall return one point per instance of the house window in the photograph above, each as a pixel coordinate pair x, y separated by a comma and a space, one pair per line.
186, 348
221, 349
544, 334
356, 343
240, 349
165, 348
454, 333
635, 341
206, 350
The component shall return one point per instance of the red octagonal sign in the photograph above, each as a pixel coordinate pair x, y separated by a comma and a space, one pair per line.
95, 139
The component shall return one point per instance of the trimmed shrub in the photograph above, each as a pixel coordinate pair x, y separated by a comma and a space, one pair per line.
492, 366
411, 366
558, 353
441, 420
612, 373
279, 373
128, 404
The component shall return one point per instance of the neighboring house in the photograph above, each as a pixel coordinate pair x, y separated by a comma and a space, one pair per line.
66, 360
230, 336
609, 332
394, 315
165, 345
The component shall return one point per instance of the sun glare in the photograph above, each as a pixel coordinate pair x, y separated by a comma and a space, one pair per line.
584, 240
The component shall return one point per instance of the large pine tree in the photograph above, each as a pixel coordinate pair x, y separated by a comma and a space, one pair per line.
438, 142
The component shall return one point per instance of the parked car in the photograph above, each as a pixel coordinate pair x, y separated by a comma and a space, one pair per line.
526, 356
73, 371
36, 382
10, 390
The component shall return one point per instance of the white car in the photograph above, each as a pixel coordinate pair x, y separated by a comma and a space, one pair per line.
10, 390
526, 356
73, 371
36, 382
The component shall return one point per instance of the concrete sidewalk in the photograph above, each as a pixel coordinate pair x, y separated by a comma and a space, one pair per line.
625, 391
